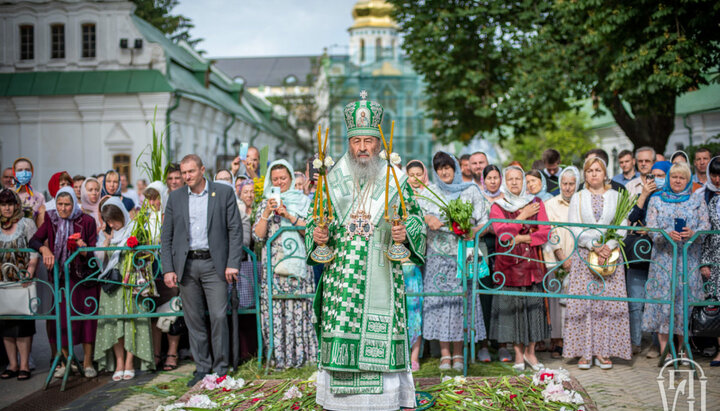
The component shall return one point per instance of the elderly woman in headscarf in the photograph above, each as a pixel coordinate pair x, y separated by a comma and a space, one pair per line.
520, 321
637, 273
284, 206
65, 229
111, 187
16, 232
559, 248
33, 202
596, 328
537, 185
680, 213
90, 199
443, 316
710, 258
418, 179
122, 345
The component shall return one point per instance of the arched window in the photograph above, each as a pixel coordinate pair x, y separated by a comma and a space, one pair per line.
89, 42
121, 163
362, 50
27, 42
57, 41
378, 49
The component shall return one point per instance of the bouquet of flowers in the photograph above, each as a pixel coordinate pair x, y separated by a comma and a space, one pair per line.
625, 204
457, 213
137, 266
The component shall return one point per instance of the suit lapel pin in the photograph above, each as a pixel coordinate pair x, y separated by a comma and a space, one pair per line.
213, 194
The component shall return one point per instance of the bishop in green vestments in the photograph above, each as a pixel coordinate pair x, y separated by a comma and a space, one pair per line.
359, 308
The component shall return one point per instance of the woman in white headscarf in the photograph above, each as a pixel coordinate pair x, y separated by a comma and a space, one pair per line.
122, 345
294, 338
520, 321
560, 247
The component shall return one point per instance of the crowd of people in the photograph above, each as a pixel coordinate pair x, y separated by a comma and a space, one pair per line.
676, 196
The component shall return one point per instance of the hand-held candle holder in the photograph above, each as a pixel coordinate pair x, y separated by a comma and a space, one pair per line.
397, 251
322, 253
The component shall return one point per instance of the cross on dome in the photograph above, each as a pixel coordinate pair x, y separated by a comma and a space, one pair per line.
363, 94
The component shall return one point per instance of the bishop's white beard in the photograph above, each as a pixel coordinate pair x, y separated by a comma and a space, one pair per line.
365, 171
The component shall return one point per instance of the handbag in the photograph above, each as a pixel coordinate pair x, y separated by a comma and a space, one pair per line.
178, 327
14, 298
113, 275
705, 320
165, 323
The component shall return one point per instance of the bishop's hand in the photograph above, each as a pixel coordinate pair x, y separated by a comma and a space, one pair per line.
321, 235
399, 234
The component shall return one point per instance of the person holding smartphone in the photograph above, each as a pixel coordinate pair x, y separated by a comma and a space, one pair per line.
284, 206
680, 213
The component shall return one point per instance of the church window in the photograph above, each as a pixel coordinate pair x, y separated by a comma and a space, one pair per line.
362, 50
57, 41
27, 42
392, 49
88, 40
121, 164
378, 49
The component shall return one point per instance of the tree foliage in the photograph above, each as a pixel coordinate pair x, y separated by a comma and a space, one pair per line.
159, 14
568, 135
498, 65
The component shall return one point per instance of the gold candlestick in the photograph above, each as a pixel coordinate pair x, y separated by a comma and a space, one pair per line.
397, 251
322, 253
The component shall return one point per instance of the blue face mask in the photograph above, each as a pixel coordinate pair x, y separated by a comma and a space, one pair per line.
23, 177
660, 183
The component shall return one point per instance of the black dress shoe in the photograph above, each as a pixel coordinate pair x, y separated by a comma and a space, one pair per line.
197, 376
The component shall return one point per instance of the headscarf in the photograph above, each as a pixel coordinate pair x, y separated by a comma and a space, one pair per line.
64, 226
680, 153
708, 184
230, 184
574, 171
486, 171
417, 163
454, 189
54, 183
294, 200
87, 206
511, 202
104, 191
161, 188
27, 187
669, 196
7, 222
119, 237
543, 193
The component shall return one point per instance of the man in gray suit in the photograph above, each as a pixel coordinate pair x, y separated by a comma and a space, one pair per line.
201, 250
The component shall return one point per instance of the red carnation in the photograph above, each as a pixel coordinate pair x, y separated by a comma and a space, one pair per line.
513, 396
132, 242
72, 241
218, 380
457, 230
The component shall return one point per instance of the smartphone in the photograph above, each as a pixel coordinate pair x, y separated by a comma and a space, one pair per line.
679, 224
275, 193
243, 151
311, 170
650, 177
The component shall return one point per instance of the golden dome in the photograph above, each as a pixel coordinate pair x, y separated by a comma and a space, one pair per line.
373, 13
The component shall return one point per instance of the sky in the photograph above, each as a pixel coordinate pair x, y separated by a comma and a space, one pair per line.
244, 28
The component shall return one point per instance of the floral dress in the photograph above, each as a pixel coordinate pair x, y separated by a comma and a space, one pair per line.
294, 340
443, 316
596, 328
14, 265
711, 250
136, 332
660, 214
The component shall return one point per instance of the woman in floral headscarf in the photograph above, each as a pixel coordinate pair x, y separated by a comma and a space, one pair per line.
16, 266
294, 337
65, 229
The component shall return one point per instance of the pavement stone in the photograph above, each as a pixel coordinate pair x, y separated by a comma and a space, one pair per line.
149, 402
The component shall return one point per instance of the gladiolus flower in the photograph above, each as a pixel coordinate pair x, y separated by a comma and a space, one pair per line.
457, 230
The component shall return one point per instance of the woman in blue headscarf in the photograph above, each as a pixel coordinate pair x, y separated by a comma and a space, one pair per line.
111, 187
443, 316
680, 213
537, 185
284, 206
